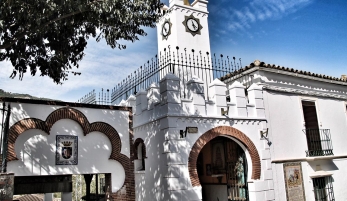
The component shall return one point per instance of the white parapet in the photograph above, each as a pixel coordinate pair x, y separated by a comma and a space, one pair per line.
237, 95
217, 93
167, 99
153, 95
255, 97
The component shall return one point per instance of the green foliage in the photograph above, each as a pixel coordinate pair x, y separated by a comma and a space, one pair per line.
57, 195
50, 36
79, 186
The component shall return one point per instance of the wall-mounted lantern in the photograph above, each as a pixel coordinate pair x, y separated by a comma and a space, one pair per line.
225, 112
264, 134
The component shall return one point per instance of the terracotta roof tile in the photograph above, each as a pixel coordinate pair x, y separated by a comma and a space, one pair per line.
264, 65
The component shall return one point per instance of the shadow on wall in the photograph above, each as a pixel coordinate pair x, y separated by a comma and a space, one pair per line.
163, 107
153, 170
36, 152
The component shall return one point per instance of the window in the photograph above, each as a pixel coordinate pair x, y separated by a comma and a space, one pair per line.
323, 189
140, 156
318, 140
310, 114
311, 128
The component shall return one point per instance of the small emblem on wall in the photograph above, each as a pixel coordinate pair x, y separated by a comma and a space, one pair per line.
192, 25
66, 150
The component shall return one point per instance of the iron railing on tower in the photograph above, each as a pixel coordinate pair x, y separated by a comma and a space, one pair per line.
103, 98
184, 64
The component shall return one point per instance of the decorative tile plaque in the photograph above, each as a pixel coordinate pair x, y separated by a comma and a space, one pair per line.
67, 148
294, 182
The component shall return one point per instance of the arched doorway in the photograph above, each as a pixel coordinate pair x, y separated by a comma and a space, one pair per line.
224, 133
223, 170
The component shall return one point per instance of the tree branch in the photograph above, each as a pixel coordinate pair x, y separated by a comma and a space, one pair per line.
22, 35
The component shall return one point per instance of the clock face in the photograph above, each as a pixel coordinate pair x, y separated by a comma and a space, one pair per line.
166, 29
192, 25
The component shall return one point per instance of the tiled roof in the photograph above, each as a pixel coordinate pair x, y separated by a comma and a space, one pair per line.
273, 66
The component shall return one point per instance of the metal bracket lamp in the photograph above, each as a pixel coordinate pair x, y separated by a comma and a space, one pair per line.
225, 112
183, 133
264, 134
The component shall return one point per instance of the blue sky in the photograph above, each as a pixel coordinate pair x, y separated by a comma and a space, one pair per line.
301, 34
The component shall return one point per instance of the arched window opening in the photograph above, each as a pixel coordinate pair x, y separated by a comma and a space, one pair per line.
140, 155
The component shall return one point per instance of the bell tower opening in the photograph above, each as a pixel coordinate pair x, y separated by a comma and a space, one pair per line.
222, 169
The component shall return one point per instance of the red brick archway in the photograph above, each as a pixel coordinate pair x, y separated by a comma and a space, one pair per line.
222, 131
73, 114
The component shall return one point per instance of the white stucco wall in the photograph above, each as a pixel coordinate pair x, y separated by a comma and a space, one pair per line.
286, 124
166, 176
179, 37
36, 150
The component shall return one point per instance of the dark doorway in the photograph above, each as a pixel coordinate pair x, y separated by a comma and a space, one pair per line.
312, 130
222, 170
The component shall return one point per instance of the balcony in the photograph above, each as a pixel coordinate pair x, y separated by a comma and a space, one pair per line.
318, 142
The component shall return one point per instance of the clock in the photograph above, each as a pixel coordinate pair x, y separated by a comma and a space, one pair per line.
166, 29
192, 25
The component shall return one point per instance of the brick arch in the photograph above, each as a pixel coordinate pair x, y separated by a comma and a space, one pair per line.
137, 142
18, 128
63, 113
222, 131
70, 113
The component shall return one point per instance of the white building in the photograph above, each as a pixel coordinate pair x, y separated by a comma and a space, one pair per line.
262, 132
288, 129
282, 127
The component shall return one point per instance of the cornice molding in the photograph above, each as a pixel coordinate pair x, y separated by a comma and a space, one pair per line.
184, 118
304, 92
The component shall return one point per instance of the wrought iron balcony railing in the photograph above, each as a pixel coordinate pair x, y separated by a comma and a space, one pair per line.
318, 142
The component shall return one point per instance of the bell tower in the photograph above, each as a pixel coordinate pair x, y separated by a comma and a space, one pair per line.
184, 25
